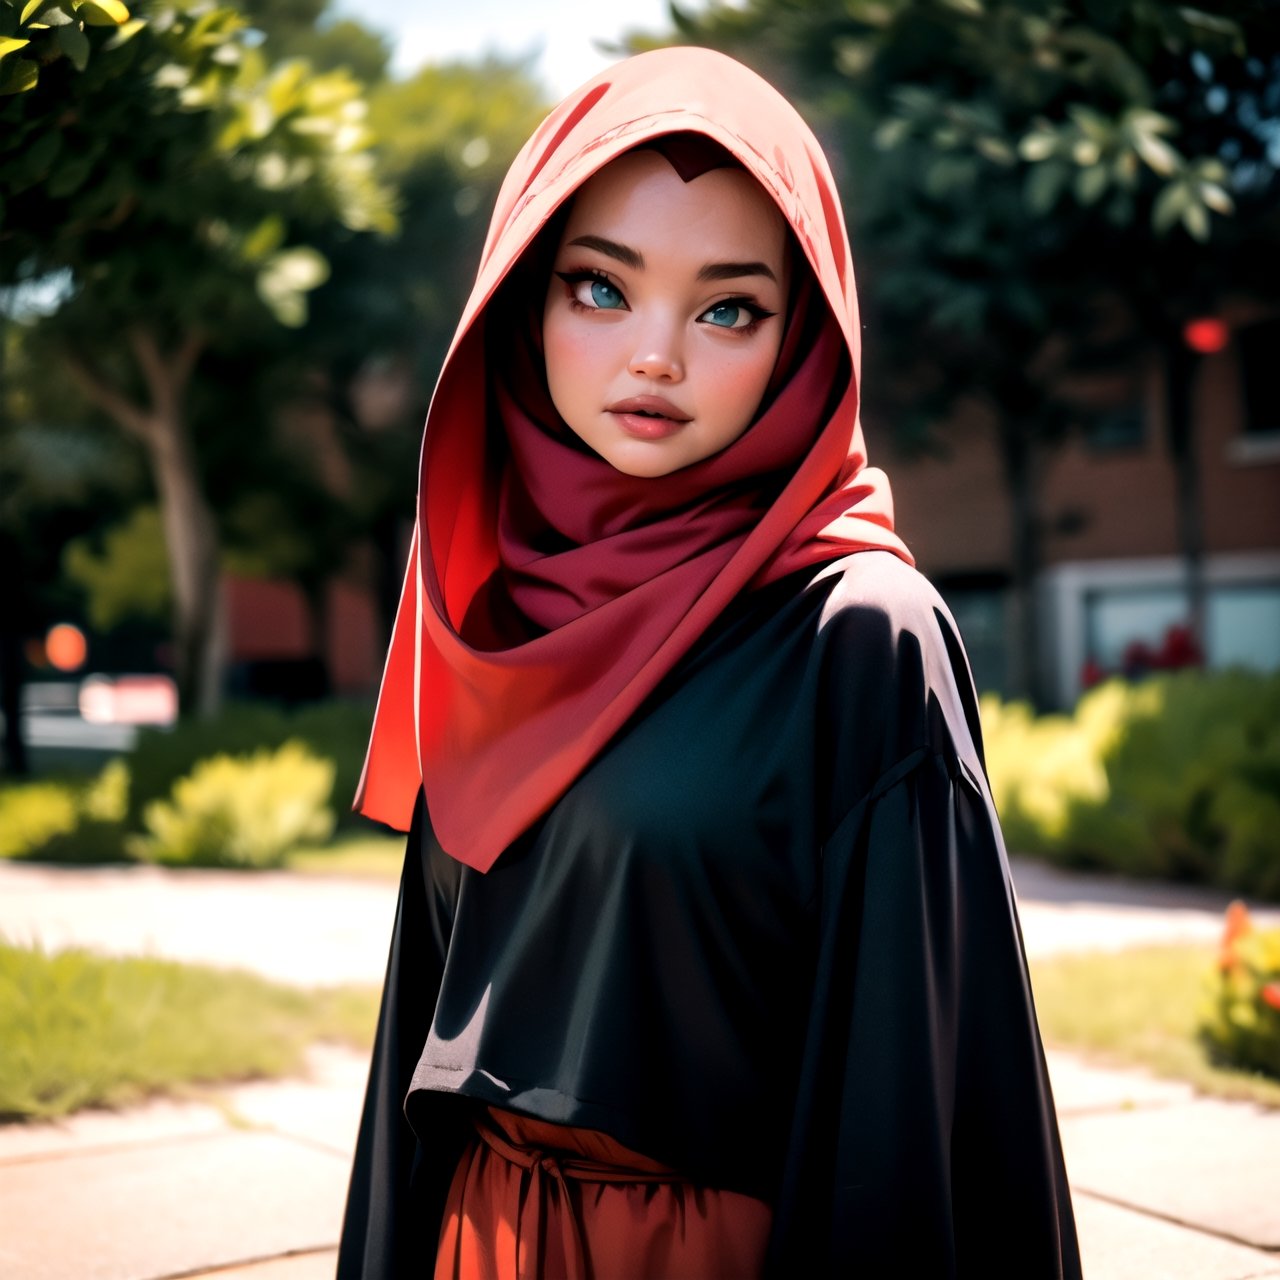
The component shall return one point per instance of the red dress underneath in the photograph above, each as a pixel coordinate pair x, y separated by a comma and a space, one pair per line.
537, 1201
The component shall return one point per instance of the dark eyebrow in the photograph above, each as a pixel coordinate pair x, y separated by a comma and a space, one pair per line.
712, 271
612, 249
732, 270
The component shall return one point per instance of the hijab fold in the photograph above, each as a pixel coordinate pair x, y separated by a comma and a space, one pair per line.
548, 594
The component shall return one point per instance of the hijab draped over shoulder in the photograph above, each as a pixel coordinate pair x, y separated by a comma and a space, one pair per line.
547, 594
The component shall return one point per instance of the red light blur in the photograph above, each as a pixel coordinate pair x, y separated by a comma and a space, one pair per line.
1206, 335
66, 647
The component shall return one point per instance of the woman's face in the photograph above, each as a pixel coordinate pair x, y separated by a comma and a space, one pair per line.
664, 313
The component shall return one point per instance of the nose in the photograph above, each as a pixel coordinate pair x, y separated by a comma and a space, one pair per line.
658, 352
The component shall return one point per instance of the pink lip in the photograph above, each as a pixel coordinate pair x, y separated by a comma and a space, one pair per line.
648, 417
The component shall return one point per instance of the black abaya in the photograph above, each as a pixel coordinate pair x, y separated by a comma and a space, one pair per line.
767, 938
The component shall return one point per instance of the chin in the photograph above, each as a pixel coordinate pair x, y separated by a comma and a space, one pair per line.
647, 462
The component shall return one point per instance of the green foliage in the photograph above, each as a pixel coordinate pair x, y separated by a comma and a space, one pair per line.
129, 576
474, 115
240, 789
33, 813
65, 821
1240, 1023
446, 136
34, 33
183, 169
81, 1030
244, 811
335, 731
1142, 1008
1177, 777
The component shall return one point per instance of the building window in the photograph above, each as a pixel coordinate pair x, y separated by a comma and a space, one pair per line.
1131, 631
1244, 626
1125, 630
1123, 427
978, 604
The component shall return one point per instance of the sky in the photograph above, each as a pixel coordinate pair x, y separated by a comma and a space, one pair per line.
562, 31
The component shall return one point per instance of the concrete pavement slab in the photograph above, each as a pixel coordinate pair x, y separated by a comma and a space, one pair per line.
323, 1109
168, 1208
1120, 1244
308, 930
1082, 1087
1205, 1163
305, 1266
1085, 911
155, 1121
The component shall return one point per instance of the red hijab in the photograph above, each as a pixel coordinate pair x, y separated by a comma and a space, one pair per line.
548, 594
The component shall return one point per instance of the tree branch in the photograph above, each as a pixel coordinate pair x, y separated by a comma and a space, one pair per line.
184, 359
100, 393
147, 353
166, 376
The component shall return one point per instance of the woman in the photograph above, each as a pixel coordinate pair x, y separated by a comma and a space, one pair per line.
706, 962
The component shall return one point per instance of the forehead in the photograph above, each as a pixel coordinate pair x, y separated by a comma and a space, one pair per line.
639, 198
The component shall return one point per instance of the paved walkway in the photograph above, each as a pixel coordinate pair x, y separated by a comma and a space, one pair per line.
248, 1184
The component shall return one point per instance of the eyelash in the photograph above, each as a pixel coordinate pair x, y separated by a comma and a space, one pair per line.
757, 313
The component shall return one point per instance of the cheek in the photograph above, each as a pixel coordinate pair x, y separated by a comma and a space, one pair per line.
740, 383
570, 353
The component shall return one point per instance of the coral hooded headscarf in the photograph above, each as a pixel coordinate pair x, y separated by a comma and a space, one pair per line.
548, 594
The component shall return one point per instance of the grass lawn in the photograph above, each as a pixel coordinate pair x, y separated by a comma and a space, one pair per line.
82, 1030
1140, 1008
373, 856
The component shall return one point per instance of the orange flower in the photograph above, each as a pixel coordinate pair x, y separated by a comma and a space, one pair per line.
1271, 994
1238, 925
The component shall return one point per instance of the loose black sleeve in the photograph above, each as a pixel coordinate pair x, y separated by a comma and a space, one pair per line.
924, 1140
397, 1191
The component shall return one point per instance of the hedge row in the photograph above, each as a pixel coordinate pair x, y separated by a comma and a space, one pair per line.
238, 790
1177, 777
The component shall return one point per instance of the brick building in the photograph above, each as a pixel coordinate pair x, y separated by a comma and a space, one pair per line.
1112, 575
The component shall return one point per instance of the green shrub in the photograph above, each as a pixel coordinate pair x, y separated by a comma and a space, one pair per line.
59, 821
337, 731
1048, 771
1176, 777
241, 811
1241, 1023
32, 813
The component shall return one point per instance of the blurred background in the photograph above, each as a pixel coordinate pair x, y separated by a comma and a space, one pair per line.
234, 241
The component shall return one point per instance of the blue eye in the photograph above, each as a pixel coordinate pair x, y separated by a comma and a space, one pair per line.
739, 314
592, 291
604, 295
727, 315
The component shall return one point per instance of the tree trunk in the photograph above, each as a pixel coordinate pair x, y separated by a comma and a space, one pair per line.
191, 536
190, 528
1180, 367
1019, 455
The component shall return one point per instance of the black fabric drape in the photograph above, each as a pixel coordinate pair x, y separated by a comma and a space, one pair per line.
924, 1141
398, 1186
769, 938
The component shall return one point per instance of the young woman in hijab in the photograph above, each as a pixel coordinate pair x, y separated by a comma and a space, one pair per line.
706, 962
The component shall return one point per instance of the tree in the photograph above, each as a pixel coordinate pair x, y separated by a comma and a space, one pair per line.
61, 479
379, 327
1016, 171
172, 180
